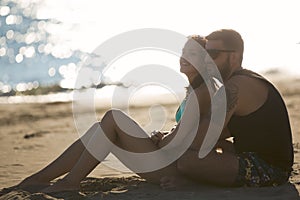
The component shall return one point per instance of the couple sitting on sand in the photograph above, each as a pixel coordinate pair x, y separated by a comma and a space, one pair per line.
261, 153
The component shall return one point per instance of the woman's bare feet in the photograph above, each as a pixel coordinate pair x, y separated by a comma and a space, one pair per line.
174, 182
32, 184
33, 181
62, 186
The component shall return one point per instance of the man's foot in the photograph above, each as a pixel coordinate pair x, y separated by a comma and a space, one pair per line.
174, 182
61, 186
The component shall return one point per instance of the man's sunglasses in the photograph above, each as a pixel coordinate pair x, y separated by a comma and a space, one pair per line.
214, 53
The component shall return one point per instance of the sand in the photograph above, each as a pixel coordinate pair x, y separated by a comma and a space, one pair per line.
32, 135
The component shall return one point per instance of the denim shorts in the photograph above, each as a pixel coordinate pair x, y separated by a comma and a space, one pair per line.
255, 172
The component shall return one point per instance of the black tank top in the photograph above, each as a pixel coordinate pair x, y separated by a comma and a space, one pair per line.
265, 131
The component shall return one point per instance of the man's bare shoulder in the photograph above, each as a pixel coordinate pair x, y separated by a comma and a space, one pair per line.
247, 93
241, 83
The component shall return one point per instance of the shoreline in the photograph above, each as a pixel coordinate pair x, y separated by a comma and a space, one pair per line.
105, 94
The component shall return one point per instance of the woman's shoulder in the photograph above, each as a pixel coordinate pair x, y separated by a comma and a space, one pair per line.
203, 96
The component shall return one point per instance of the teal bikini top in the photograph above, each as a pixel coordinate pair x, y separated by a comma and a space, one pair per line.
196, 83
180, 110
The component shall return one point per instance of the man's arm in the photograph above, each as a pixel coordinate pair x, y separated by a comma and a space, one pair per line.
210, 130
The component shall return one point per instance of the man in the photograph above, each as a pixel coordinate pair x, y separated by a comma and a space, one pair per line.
257, 119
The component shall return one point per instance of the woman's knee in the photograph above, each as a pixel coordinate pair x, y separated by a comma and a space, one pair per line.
110, 122
94, 129
112, 114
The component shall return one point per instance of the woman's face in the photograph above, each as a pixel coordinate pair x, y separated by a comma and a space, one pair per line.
191, 53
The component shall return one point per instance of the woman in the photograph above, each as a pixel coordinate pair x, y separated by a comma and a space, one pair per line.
77, 161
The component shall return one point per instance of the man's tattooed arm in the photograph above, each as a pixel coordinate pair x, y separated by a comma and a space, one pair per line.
232, 91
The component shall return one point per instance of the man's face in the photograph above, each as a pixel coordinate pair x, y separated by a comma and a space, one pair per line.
220, 56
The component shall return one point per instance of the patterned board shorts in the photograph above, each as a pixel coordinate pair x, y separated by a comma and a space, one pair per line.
255, 172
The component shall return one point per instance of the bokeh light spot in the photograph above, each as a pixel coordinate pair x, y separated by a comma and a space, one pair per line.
10, 34
4, 10
19, 58
52, 72
2, 51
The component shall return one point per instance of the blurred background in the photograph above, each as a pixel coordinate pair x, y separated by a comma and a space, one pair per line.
43, 44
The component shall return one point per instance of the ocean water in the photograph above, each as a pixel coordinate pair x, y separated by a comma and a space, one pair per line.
39, 63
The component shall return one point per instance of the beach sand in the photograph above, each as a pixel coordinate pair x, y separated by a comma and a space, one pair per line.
32, 135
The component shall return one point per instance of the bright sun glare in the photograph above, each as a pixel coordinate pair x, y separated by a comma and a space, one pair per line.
269, 28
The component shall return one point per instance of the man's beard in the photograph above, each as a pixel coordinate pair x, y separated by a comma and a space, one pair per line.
225, 69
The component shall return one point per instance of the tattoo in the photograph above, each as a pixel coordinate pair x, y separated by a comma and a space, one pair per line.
231, 96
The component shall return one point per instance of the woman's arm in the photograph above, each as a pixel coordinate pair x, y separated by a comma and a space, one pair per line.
197, 105
168, 137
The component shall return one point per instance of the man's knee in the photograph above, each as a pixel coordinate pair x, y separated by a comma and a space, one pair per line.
190, 161
185, 162
182, 164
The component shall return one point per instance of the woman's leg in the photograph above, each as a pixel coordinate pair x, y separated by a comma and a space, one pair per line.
63, 164
115, 127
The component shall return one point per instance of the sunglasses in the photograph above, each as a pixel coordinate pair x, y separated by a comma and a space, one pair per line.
214, 53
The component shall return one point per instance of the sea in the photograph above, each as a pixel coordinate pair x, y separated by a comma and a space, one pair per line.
38, 64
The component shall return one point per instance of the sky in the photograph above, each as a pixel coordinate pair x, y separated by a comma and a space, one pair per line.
270, 29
